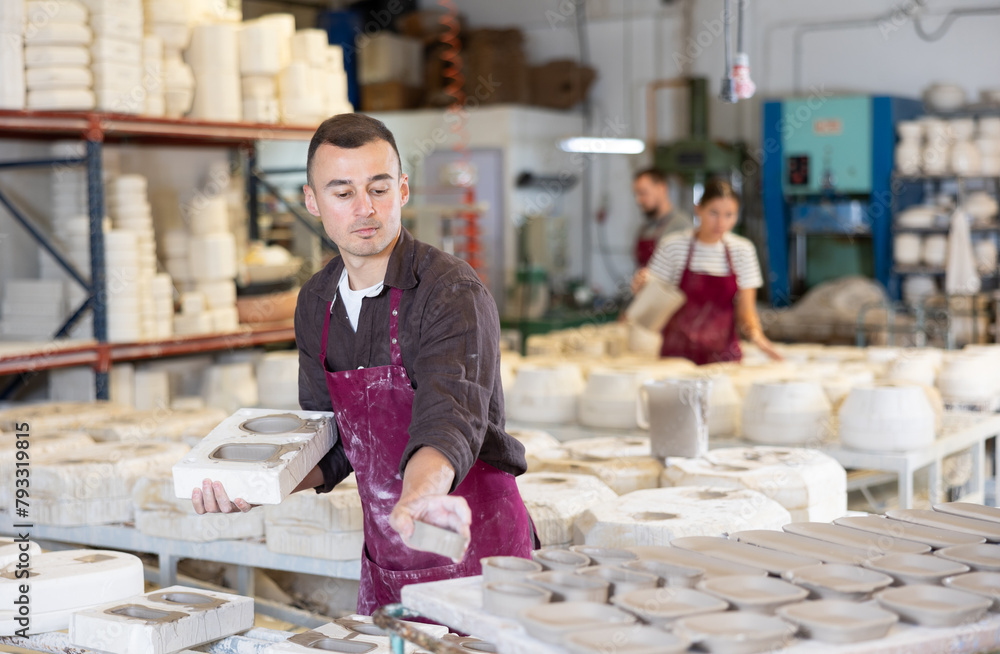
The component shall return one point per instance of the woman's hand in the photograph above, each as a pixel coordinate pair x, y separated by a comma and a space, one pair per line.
639, 279
765, 345
212, 498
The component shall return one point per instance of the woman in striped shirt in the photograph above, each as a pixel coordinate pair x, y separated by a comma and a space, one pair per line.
719, 273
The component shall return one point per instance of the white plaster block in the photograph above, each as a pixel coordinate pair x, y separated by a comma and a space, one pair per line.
41, 622
795, 478
344, 629
103, 470
10, 550
161, 622
826, 511
200, 528
609, 447
338, 510
55, 416
157, 425
75, 513
157, 494
536, 444
554, 502
40, 444
656, 516
623, 475
70, 579
259, 455
305, 540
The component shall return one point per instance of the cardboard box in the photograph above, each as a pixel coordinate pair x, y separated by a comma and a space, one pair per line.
389, 96
560, 84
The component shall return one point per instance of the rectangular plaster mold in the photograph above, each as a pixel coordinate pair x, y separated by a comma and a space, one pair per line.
161, 622
259, 455
303, 540
56, 416
200, 528
102, 470
71, 579
10, 550
338, 510
77, 513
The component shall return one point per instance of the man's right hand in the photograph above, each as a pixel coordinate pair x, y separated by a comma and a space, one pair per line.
212, 498
639, 279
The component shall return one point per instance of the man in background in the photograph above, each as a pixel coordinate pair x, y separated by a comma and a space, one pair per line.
652, 194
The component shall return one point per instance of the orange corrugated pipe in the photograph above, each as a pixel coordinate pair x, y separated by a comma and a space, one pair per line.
455, 88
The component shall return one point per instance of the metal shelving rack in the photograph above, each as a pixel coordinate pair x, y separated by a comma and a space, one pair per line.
96, 129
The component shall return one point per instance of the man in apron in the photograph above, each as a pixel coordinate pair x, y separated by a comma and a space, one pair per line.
401, 342
652, 194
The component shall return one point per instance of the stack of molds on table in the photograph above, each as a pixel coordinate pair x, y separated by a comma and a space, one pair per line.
624, 464
162, 621
259, 455
159, 513
93, 485
41, 445
355, 633
758, 590
65, 582
810, 484
157, 425
327, 525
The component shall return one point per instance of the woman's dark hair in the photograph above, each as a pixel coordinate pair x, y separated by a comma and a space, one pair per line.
350, 131
715, 189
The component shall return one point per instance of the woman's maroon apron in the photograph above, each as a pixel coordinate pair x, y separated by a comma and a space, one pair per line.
373, 407
704, 329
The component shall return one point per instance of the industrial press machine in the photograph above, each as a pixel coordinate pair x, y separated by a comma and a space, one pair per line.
826, 171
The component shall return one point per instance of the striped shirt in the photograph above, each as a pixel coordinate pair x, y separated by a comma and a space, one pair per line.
671, 254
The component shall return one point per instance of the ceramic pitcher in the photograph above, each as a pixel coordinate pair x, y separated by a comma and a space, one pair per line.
675, 411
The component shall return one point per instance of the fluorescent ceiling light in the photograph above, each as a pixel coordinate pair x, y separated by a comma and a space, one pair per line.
602, 145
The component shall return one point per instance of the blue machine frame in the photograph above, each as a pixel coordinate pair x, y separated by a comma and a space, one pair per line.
885, 112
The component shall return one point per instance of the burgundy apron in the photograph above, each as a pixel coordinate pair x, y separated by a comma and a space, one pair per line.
704, 329
373, 407
644, 249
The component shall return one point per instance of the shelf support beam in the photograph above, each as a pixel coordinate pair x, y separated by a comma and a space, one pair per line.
294, 209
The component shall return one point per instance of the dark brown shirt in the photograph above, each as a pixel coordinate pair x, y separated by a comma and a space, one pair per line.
449, 333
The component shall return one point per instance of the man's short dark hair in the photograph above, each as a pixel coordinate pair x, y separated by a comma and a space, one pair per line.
654, 174
350, 131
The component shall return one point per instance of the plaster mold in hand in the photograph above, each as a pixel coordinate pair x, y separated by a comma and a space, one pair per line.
72, 579
806, 482
259, 455
656, 516
554, 502
161, 622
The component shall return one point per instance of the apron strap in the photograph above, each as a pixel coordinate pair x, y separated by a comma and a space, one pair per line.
729, 259
395, 352
324, 339
687, 262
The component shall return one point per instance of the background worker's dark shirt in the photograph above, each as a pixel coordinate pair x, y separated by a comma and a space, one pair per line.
449, 333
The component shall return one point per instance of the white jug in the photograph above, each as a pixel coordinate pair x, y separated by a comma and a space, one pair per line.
675, 411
